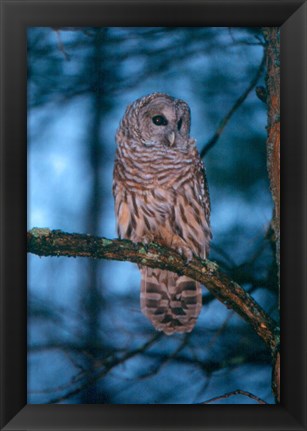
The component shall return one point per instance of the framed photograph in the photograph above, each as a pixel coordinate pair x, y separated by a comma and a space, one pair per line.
156, 287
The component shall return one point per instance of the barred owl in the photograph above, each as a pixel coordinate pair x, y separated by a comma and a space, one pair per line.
161, 195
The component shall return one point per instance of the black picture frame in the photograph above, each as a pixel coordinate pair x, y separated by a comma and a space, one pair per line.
16, 16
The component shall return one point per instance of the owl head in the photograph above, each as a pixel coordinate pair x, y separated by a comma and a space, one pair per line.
157, 120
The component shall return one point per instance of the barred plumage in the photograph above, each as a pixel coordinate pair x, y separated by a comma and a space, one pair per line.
161, 195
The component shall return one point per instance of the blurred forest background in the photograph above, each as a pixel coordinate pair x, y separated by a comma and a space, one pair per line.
88, 341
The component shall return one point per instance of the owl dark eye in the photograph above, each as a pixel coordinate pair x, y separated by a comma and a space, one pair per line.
159, 120
179, 124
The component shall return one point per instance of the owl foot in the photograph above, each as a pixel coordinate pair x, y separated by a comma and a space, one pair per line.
184, 251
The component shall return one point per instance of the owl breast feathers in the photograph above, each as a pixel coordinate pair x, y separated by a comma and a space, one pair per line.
161, 195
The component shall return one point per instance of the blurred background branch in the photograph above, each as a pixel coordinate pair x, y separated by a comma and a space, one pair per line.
234, 393
213, 140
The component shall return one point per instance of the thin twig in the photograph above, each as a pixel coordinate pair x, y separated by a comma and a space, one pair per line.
236, 392
106, 369
213, 140
166, 360
61, 46
221, 329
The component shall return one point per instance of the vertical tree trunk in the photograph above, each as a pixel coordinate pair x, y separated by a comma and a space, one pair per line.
93, 301
271, 35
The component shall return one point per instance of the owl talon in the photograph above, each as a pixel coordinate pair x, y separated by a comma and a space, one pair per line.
189, 256
145, 242
186, 253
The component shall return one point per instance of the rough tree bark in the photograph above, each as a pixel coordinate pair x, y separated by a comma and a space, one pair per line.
272, 38
271, 35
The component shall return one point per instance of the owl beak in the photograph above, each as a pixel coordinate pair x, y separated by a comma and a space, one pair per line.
171, 138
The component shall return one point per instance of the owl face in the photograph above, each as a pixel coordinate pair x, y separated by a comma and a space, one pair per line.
162, 121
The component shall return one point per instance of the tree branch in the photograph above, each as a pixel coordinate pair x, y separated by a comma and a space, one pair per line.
45, 242
236, 392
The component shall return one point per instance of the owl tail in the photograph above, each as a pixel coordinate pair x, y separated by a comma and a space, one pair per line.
171, 302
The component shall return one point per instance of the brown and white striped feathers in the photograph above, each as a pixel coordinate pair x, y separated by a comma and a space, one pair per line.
161, 195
